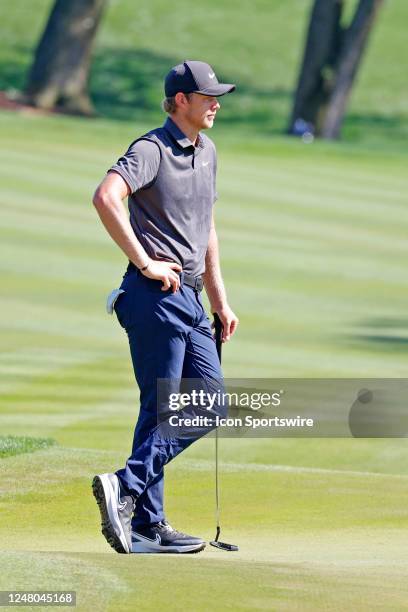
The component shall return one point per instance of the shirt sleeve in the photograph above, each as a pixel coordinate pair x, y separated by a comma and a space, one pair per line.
140, 164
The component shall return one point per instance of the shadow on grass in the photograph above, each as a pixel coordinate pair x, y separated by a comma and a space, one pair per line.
362, 127
12, 75
384, 334
385, 340
127, 85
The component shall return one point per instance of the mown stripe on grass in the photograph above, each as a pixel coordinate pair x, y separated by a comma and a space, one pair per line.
203, 465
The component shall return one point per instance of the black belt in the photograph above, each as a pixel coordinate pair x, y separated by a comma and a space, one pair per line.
196, 282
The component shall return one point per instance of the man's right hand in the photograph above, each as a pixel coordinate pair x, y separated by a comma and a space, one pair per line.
165, 271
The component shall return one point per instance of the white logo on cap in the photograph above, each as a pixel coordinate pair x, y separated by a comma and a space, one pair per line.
211, 75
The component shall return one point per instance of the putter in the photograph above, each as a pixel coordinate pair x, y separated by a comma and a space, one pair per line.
215, 542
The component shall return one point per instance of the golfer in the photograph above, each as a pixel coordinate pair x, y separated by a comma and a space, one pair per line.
169, 177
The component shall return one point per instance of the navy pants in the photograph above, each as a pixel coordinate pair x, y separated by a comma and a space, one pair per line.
170, 337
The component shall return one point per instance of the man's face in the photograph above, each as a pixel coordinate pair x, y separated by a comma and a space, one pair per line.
201, 110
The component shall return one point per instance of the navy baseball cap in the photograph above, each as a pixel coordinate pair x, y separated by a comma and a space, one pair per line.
194, 77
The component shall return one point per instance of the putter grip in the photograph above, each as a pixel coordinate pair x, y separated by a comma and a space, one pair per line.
218, 334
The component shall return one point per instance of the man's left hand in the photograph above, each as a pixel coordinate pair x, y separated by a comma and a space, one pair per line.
229, 322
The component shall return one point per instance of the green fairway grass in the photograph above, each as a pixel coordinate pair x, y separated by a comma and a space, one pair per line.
313, 246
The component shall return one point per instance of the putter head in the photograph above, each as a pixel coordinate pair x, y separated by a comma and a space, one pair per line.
224, 546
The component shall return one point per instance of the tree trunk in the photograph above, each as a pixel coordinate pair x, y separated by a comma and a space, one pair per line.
352, 51
331, 58
59, 74
323, 36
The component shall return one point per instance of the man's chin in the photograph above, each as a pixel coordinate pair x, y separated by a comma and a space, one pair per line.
208, 123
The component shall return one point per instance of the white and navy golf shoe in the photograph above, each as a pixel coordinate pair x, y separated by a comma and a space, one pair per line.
162, 538
116, 508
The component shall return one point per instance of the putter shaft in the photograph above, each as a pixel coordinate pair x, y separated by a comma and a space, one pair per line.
216, 543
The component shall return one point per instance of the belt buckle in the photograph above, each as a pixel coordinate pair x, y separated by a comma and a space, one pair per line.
198, 283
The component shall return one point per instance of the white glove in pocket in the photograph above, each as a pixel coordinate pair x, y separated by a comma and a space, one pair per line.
112, 297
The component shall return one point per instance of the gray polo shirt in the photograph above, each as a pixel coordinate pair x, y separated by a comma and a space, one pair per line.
172, 185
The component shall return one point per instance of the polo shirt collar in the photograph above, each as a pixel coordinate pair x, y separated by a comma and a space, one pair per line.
179, 136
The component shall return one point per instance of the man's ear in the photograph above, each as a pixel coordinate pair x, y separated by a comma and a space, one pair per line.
181, 99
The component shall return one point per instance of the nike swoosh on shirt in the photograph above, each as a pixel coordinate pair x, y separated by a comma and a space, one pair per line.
206, 163
211, 75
